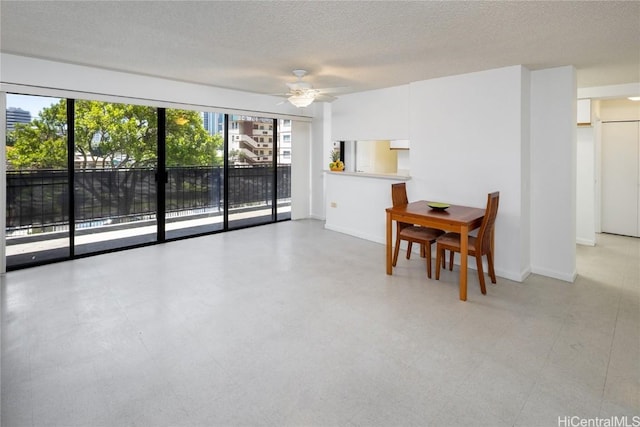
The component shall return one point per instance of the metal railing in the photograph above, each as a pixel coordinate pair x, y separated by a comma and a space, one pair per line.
38, 199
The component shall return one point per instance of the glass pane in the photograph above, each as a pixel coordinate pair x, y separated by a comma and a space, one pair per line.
194, 168
115, 166
250, 171
285, 137
37, 213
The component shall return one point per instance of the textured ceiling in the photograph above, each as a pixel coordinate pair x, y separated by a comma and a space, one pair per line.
254, 45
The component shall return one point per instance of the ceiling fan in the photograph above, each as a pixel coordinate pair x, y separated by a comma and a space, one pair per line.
302, 94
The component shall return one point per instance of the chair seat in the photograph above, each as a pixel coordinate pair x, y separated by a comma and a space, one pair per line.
453, 240
477, 246
415, 232
424, 236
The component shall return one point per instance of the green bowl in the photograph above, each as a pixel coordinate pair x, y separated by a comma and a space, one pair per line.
438, 206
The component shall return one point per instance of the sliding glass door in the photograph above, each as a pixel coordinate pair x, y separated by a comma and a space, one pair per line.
194, 191
283, 169
114, 175
250, 174
87, 177
37, 215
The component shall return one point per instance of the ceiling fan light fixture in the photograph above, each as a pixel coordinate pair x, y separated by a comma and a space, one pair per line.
301, 100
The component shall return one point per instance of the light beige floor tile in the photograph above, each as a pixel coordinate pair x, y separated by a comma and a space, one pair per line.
290, 324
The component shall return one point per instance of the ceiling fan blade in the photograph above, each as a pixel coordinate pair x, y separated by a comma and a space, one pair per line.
325, 98
300, 86
302, 89
334, 89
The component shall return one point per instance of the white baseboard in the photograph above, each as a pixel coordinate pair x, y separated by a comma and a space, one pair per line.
372, 238
515, 276
506, 274
567, 277
586, 242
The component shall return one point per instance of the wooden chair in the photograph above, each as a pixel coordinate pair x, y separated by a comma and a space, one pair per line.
478, 246
424, 236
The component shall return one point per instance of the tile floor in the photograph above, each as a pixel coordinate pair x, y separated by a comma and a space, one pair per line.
293, 325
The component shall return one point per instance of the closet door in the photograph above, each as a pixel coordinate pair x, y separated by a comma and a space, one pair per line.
620, 178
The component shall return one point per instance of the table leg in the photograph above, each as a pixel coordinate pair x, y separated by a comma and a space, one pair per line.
389, 229
464, 252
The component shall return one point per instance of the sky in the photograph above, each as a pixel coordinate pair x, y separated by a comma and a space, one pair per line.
33, 104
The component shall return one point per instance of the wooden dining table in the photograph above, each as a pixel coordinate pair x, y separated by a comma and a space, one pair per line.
459, 219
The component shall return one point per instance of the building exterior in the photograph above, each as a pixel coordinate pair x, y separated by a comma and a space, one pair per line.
16, 115
251, 140
284, 142
213, 122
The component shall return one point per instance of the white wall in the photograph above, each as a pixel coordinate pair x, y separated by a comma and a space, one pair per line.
619, 109
609, 109
507, 129
553, 172
610, 92
585, 186
525, 174
50, 78
376, 114
300, 171
598, 174
589, 148
320, 148
586, 170
466, 135
404, 162
360, 204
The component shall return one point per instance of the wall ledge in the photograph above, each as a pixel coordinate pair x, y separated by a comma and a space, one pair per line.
391, 176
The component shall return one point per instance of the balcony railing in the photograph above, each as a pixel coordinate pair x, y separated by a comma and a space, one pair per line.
38, 200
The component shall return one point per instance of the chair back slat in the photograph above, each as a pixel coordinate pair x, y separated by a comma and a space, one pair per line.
399, 194
399, 198
488, 222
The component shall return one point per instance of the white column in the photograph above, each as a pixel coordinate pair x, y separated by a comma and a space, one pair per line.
553, 172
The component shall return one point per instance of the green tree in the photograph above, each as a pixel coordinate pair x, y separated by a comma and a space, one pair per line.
41, 144
111, 135
188, 143
115, 135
